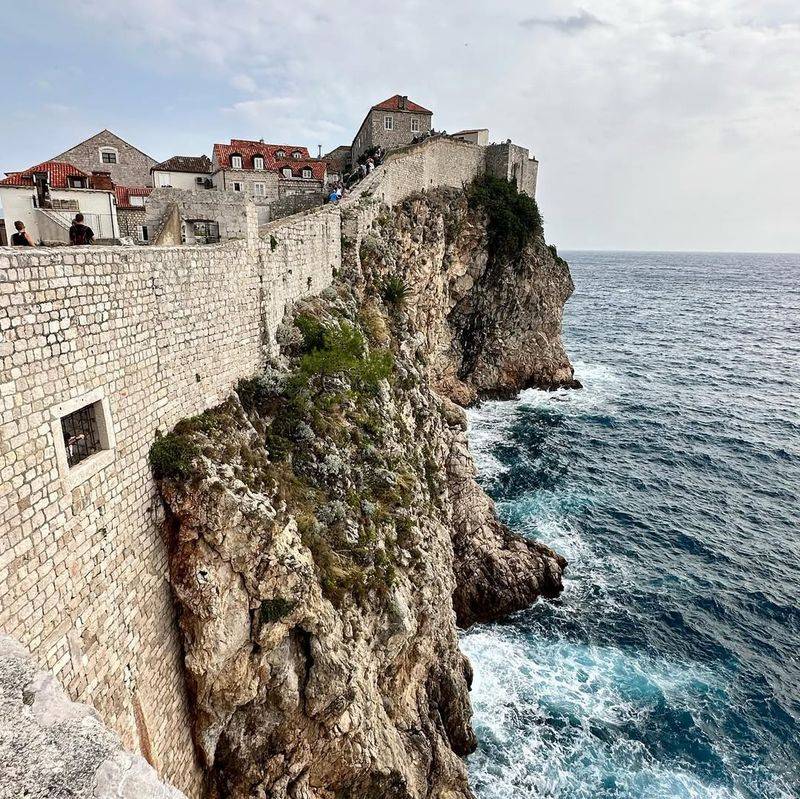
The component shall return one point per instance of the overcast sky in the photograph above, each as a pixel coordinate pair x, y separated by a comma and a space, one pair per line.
658, 125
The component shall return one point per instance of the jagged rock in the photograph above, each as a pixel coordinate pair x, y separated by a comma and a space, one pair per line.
52, 748
332, 530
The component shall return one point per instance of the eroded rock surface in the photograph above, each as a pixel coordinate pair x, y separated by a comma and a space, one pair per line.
53, 748
326, 528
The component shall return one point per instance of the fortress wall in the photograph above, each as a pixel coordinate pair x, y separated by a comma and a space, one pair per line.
153, 334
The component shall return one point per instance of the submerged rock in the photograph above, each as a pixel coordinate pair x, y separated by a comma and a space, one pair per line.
326, 528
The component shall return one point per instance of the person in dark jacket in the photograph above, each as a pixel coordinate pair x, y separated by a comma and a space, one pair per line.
21, 238
80, 234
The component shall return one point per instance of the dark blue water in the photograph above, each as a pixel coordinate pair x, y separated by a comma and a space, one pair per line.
670, 667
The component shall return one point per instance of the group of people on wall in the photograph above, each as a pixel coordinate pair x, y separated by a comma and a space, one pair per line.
367, 163
79, 234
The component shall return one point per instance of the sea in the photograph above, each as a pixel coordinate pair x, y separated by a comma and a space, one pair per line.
670, 665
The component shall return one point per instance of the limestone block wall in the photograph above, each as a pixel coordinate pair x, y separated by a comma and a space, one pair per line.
153, 334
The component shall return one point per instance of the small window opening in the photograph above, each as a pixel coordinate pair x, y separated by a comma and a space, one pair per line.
108, 156
306, 173
388, 123
258, 162
297, 154
236, 161
414, 125
287, 173
81, 433
280, 153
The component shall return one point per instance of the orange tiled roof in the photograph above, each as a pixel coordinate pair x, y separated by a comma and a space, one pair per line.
393, 104
58, 171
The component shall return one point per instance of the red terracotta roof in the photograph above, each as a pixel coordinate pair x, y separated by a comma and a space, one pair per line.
298, 164
249, 149
58, 171
124, 193
393, 104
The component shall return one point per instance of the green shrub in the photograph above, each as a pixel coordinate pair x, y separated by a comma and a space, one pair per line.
312, 330
275, 609
171, 456
254, 392
513, 216
394, 290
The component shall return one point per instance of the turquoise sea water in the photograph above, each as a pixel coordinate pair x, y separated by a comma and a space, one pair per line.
670, 666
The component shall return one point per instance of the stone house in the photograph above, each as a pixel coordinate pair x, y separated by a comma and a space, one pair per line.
106, 151
131, 212
183, 172
392, 123
267, 173
338, 162
47, 196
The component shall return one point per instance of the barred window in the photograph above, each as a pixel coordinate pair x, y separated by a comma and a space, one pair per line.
81, 433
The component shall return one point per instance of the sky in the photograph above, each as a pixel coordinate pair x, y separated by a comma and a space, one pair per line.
668, 125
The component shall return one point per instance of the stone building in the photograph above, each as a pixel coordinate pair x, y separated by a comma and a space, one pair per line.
513, 162
392, 123
106, 151
473, 135
338, 162
131, 212
268, 172
183, 172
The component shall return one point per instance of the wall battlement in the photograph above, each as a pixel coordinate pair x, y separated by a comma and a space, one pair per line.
155, 334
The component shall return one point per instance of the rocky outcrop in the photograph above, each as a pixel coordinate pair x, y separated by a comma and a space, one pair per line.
326, 528
492, 323
52, 748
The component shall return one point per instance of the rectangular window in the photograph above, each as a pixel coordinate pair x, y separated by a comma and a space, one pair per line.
83, 436
236, 161
286, 172
109, 157
388, 123
414, 125
138, 202
164, 178
142, 233
237, 186
259, 189
258, 162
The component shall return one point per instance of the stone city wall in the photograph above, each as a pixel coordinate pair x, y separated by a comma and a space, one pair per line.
150, 335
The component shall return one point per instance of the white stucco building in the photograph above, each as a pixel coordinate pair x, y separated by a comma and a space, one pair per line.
47, 196
183, 172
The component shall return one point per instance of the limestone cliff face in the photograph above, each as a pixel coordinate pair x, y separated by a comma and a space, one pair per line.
327, 530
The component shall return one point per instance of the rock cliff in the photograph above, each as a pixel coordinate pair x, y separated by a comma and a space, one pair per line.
326, 529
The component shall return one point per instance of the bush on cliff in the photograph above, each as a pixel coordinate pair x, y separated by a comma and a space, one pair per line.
394, 290
340, 349
513, 216
171, 456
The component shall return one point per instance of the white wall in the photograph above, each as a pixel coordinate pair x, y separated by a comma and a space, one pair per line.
17, 204
179, 180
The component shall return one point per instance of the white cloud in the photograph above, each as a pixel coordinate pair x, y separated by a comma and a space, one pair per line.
657, 124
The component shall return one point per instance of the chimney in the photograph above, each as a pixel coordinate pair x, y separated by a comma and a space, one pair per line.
101, 180
403, 102
261, 141
319, 151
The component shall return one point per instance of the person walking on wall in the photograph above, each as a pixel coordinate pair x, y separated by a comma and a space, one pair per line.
21, 238
80, 234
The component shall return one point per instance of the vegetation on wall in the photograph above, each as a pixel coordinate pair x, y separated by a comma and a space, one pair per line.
513, 216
